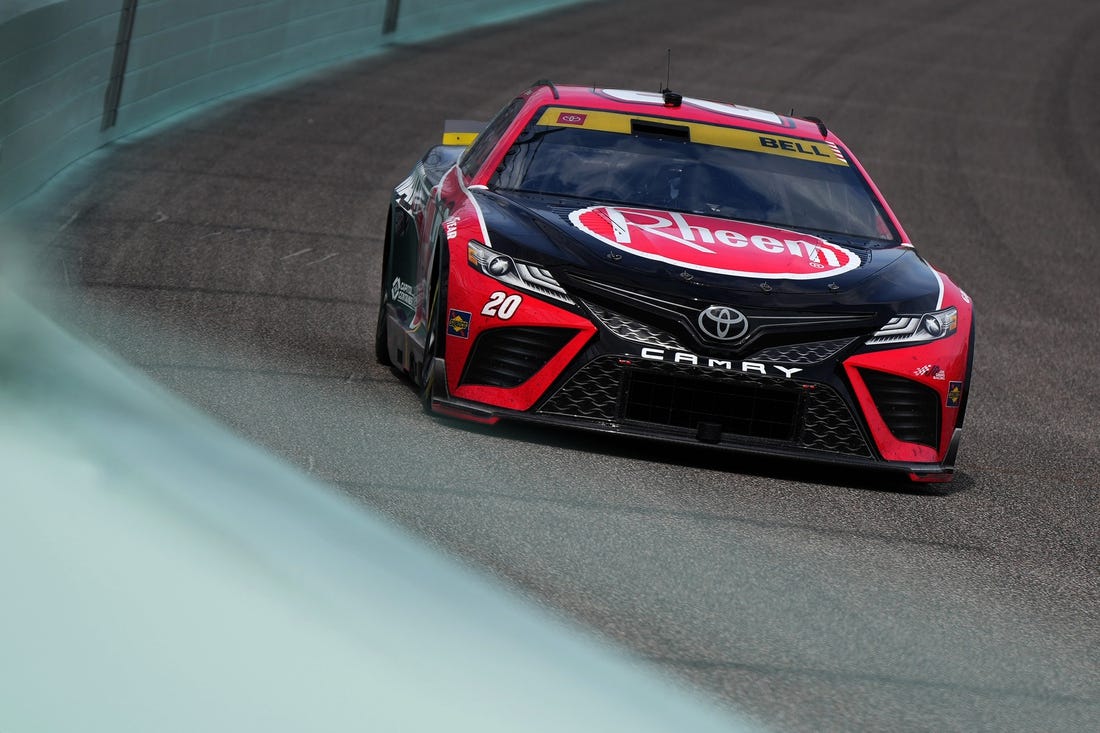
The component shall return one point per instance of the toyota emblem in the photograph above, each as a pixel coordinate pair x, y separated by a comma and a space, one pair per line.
722, 323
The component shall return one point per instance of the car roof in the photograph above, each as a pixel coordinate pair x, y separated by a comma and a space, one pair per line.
691, 109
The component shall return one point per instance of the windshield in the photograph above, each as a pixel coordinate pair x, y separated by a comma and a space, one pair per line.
692, 167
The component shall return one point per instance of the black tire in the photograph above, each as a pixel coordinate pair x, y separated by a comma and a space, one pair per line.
381, 346
436, 331
968, 375
381, 343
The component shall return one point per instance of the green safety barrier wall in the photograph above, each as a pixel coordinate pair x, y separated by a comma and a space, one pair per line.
77, 74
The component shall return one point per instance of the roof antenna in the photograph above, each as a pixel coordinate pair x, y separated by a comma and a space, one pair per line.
672, 99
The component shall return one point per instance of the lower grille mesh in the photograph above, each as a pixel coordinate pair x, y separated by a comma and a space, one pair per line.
828, 425
682, 401
747, 405
593, 392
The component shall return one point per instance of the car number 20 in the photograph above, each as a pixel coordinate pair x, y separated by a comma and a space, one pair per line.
501, 305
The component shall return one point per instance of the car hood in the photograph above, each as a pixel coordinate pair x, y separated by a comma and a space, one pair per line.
706, 257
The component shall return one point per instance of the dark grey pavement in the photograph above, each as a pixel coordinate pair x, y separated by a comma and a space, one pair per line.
234, 256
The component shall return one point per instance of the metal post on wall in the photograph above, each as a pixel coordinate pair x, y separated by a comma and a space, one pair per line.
118, 66
389, 21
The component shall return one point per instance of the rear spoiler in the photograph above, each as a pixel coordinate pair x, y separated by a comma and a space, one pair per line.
461, 132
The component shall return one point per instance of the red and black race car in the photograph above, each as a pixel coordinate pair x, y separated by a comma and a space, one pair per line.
693, 271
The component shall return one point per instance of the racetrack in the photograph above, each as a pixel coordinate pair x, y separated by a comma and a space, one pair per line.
234, 255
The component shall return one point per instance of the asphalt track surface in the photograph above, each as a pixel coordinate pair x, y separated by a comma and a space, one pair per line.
234, 256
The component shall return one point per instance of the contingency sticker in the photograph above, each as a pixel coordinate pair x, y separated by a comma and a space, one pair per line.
458, 323
954, 393
401, 292
932, 370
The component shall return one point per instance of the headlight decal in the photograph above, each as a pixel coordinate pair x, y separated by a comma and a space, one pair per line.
516, 273
917, 329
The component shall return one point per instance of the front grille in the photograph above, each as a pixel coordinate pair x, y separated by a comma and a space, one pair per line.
672, 321
910, 409
811, 353
679, 400
508, 357
632, 330
680, 397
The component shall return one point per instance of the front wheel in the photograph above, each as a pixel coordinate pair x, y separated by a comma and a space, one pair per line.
436, 328
381, 340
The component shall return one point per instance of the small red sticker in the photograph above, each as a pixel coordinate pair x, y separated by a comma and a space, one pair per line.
571, 118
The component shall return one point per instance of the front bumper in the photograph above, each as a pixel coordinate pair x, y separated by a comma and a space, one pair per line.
620, 395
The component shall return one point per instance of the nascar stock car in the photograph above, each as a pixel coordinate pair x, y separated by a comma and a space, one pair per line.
654, 265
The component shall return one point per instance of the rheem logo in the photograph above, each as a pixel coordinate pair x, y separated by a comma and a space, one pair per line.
715, 245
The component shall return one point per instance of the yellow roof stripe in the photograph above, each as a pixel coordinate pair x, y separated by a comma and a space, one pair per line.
726, 137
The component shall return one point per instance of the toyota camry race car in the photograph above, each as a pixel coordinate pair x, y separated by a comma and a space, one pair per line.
655, 265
